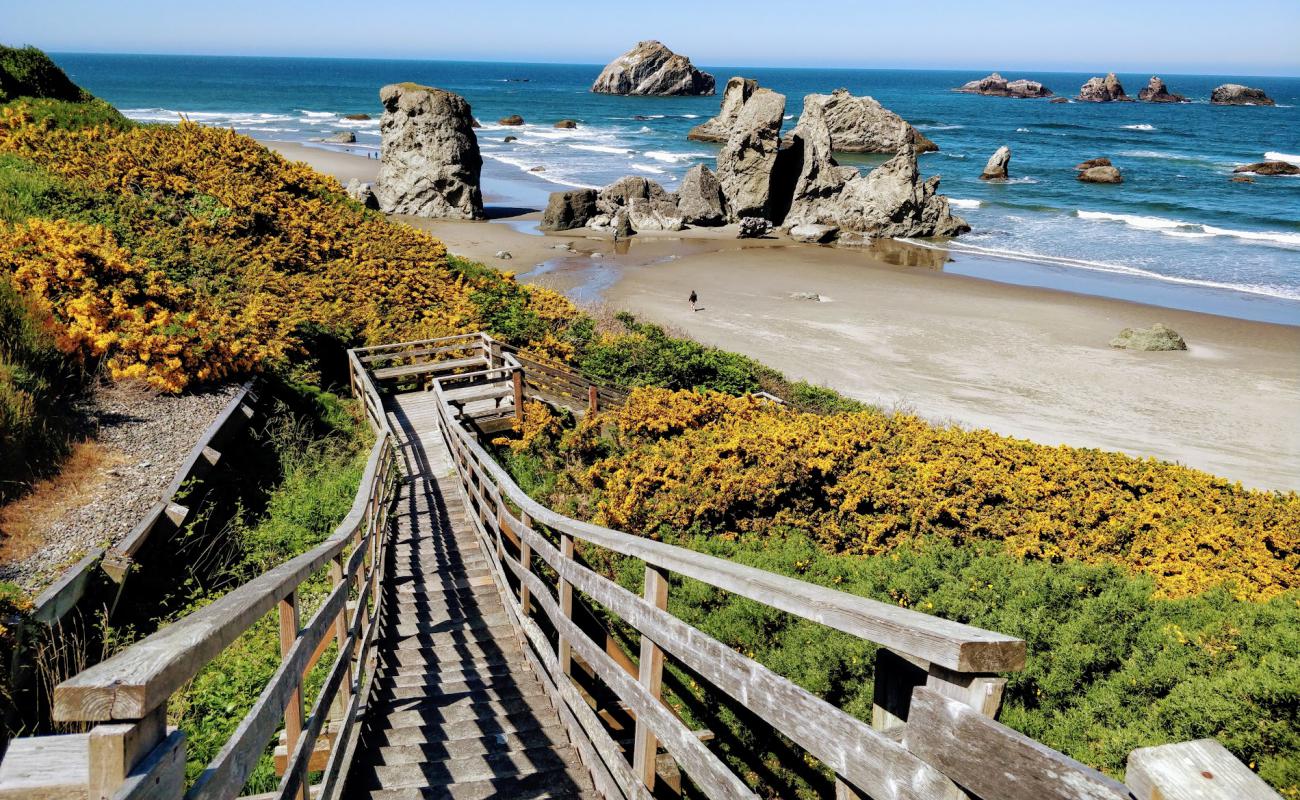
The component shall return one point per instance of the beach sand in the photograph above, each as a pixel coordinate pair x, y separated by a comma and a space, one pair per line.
897, 328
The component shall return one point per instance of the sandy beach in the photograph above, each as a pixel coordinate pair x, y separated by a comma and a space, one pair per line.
912, 329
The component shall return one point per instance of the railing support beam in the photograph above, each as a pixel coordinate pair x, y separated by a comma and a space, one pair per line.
645, 747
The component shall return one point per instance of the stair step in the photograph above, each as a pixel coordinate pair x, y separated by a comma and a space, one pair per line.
440, 694
441, 711
495, 769
418, 753
447, 641
414, 626
411, 729
453, 680
427, 658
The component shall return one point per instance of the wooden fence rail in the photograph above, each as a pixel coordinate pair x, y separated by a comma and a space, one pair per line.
938, 683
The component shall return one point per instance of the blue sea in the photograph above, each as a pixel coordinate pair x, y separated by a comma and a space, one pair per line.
1177, 225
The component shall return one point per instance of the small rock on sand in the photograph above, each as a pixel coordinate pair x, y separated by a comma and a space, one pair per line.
1157, 337
504, 255
806, 296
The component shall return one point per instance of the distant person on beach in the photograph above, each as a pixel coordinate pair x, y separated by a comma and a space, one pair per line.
693, 298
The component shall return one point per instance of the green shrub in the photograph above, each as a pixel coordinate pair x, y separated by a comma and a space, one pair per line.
28, 72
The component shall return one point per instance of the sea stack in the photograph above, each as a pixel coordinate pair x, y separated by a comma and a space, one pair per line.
1156, 92
1234, 94
429, 162
997, 86
734, 97
1103, 90
863, 125
652, 69
996, 168
747, 160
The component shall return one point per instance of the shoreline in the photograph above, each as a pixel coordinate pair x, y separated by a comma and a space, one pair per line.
901, 328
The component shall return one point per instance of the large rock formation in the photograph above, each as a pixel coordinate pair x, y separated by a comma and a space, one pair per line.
700, 200
568, 210
747, 160
1234, 94
863, 125
1156, 92
996, 168
997, 86
1270, 168
734, 97
429, 163
891, 200
647, 205
1102, 90
652, 69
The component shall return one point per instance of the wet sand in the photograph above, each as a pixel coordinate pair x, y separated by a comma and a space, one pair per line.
896, 326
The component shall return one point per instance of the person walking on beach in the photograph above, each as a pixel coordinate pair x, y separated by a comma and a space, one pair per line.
693, 298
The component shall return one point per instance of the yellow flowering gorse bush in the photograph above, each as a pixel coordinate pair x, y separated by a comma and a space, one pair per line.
864, 482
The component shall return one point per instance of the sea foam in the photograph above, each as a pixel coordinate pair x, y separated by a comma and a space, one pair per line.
959, 202
1192, 230
1140, 127
1287, 157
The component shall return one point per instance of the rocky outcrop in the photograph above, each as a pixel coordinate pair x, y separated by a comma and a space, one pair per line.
652, 69
863, 125
513, 119
1059, 100
734, 97
342, 137
1104, 174
1270, 168
747, 160
568, 210
647, 205
1157, 337
700, 200
363, 192
567, 124
1241, 179
996, 168
1234, 94
1156, 92
1103, 90
997, 86
356, 116
891, 200
429, 162
1093, 162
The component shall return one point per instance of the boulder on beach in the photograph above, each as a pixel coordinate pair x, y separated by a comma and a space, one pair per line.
996, 168
1157, 337
700, 198
1234, 94
513, 119
1093, 162
747, 160
734, 96
363, 192
622, 225
429, 162
814, 234
1102, 90
647, 206
1101, 175
356, 116
569, 209
997, 86
753, 228
891, 200
567, 124
1156, 92
863, 125
650, 68
342, 137
1270, 168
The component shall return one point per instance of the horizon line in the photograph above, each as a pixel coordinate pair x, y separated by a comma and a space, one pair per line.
1045, 70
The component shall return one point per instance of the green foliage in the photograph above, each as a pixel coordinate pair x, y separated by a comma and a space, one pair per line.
645, 355
821, 400
1110, 667
67, 115
36, 388
28, 72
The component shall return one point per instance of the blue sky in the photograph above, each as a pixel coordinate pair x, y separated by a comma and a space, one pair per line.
1252, 37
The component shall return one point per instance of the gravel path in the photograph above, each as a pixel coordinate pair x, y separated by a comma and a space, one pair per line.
145, 437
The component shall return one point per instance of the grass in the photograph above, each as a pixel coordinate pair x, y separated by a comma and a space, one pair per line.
24, 523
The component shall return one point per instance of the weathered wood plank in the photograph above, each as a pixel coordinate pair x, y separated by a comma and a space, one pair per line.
964, 648
994, 762
63, 595
139, 679
160, 776
46, 768
1199, 770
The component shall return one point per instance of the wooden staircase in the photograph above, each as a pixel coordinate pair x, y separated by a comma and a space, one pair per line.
455, 711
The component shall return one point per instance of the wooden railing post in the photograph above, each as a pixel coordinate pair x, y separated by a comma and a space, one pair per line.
565, 651
525, 558
114, 750
645, 746
517, 379
593, 400
344, 696
293, 712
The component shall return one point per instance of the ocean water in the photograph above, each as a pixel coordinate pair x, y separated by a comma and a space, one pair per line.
1177, 219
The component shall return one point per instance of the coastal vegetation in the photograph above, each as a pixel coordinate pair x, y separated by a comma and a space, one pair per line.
1159, 603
